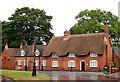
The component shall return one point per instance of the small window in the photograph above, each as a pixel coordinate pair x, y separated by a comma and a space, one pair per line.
54, 63
19, 62
37, 53
25, 62
36, 63
93, 54
44, 62
71, 55
71, 63
54, 55
22, 53
93, 63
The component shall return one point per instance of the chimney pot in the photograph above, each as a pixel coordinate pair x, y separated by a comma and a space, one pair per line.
33, 46
66, 34
6, 46
106, 30
21, 45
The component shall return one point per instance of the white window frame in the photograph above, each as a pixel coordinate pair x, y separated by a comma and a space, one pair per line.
44, 62
93, 54
71, 62
24, 62
54, 55
53, 63
22, 53
19, 62
93, 63
36, 63
71, 55
37, 53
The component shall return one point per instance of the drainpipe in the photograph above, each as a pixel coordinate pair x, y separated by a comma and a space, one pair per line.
111, 69
39, 62
71, 68
108, 69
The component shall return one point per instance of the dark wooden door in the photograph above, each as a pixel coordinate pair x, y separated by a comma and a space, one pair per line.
83, 66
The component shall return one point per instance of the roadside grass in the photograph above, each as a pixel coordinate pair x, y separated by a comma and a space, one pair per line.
23, 75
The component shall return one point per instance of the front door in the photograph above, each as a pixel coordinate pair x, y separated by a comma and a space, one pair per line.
82, 66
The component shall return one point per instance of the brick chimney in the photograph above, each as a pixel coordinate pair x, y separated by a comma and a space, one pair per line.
21, 45
106, 30
33, 46
6, 46
66, 34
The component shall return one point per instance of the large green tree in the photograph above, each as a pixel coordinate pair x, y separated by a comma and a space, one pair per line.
20, 27
91, 21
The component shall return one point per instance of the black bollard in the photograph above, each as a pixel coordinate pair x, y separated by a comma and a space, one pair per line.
108, 69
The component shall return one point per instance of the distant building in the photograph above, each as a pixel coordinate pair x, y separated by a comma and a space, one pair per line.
17, 58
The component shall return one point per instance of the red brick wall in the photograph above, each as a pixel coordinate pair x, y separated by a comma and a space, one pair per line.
13, 63
7, 62
63, 62
109, 50
116, 60
30, 63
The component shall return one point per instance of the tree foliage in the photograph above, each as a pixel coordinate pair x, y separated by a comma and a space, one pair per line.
91, 21
20, 27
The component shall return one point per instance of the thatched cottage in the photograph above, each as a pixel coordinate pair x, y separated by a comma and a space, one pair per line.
82, 52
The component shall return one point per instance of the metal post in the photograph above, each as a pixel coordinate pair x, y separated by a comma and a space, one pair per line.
25, 63
34, 67
42, 59
42, 67
26, 58
39, 63
111, 69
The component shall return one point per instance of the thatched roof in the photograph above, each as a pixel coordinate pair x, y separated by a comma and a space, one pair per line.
80, 44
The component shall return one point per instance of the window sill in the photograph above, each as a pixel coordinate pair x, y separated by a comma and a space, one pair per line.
93, 67
72, 67
54, 67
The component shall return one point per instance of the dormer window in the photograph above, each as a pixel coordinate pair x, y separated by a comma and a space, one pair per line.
71, 55
22, 53
54, 55
93, 54
37, 52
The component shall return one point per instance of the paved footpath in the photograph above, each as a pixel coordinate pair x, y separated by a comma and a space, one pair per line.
67, 75
4, 79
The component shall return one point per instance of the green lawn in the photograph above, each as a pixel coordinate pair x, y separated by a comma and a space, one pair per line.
23, 75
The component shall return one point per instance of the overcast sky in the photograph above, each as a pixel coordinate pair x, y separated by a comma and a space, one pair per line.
63, 11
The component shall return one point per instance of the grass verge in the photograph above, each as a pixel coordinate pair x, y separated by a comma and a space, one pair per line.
23, 75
